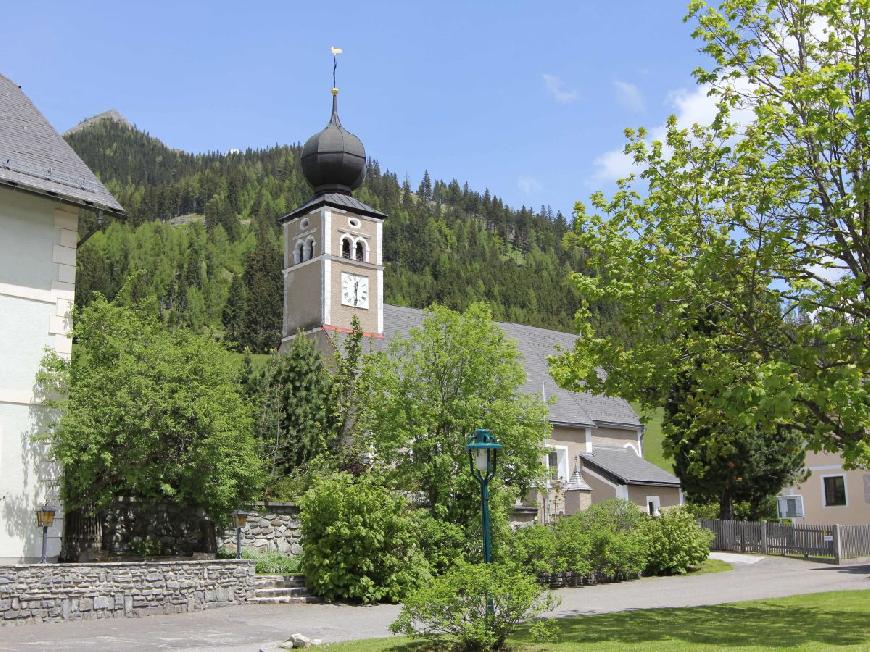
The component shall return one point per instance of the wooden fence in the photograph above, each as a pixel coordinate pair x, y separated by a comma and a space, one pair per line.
838, 542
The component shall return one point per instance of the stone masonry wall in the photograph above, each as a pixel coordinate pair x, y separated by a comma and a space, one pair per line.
272, 527
54, 592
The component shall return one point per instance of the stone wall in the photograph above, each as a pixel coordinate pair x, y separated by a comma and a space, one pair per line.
54, 592
272, 527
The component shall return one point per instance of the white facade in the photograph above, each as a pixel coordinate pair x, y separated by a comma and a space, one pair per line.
38, 238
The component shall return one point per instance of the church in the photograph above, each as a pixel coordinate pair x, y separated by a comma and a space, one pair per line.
334, 270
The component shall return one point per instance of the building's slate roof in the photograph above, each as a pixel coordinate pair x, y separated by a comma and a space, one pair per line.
335, 200
535, 346
34, 157
624, 465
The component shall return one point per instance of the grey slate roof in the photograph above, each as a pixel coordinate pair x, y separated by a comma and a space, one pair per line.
335, 200
624, 465
535, 346
34, 157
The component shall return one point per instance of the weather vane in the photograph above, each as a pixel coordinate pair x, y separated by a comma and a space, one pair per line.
335, 52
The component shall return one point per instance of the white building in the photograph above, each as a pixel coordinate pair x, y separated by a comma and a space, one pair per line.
43, 186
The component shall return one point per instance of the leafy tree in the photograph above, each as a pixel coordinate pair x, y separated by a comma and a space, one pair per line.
727, 462
153, 414
763, 215
423, 398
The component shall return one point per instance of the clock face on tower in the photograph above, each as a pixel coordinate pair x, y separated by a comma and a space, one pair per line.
354, 290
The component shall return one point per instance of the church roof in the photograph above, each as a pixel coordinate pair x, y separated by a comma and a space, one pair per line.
536, 345
335, 200
624, 465
34, 157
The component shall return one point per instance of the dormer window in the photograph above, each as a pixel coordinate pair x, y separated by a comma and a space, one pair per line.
360, 250
345, 248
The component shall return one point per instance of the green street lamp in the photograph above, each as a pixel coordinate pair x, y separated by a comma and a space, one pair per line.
483, 450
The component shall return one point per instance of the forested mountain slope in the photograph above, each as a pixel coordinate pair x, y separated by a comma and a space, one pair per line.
443, 242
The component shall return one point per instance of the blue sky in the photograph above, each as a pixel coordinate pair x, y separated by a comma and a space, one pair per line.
528, 99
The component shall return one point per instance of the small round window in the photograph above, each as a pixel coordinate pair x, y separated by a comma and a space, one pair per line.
304, 224
353, 222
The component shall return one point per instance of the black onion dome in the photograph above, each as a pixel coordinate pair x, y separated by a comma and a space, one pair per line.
334, 160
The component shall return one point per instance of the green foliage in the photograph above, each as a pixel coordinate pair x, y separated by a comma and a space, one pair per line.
611, 541
741, 511
762, 216
534, 548
423, 398
443, 544
153, 414
451, 610
675, 542
359, 541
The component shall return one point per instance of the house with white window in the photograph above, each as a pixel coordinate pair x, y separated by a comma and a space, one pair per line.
43, 186
829, 495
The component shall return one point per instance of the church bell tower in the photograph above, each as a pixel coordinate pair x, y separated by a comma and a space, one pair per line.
333, 265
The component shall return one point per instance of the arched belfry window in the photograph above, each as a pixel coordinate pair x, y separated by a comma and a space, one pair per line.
360, 250
309, 253
299, 254
345, 248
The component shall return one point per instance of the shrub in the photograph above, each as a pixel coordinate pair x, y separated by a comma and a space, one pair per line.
620, 555
442, 543
617, 540
452, 609
359, 541
534, 549
573, 547
676, 542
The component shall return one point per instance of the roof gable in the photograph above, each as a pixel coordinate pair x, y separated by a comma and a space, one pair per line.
35, 158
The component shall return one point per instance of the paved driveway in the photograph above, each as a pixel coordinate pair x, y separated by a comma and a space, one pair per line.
251, 627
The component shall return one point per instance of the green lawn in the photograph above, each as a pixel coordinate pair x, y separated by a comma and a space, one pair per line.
652, 440
822, 621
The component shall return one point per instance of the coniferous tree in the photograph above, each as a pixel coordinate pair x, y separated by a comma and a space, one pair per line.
235, 313
294, 419
261, 330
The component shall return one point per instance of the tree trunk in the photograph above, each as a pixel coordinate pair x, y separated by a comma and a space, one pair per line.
726, 506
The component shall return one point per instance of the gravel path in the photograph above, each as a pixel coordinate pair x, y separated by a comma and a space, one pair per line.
251, 627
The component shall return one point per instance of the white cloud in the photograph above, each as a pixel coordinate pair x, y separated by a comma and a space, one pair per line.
529, 185
629, 96
558, 90
693, 106
613, 165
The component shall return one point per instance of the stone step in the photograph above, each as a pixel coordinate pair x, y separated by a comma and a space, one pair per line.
285, 599
279, 580
277, 591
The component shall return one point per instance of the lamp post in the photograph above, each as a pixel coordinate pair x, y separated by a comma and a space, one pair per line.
44, 519
240, 519
483, 450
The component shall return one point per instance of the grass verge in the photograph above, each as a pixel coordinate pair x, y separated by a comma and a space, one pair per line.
820, 621
711, 566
